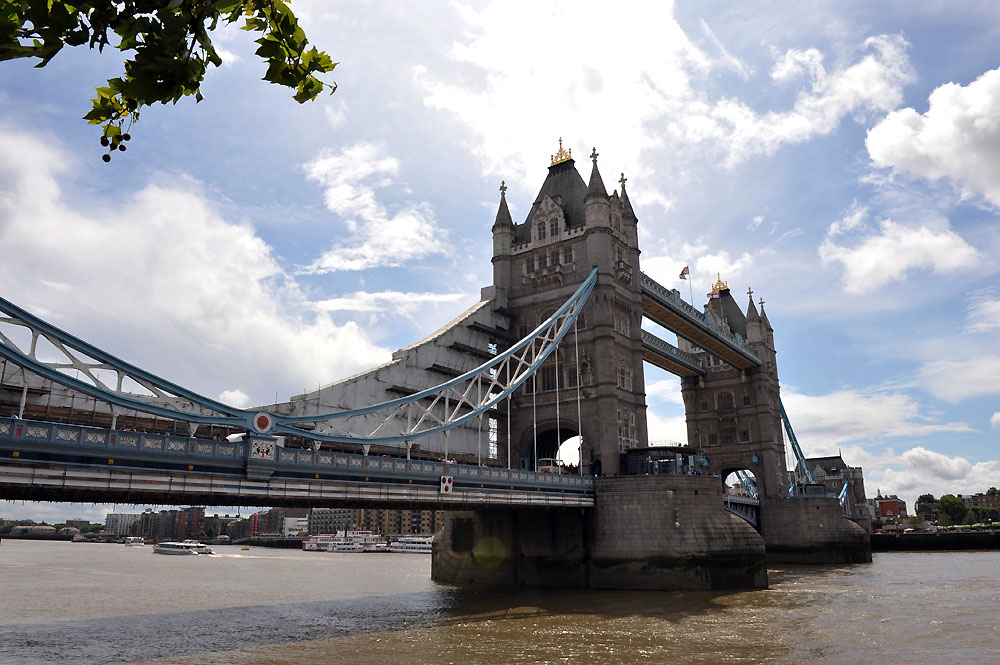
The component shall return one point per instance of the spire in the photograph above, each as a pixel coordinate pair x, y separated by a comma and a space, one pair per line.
596, 186
626, 204
503, 213
763, 317
751, 310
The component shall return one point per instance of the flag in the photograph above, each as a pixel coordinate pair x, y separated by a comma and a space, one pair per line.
685, 273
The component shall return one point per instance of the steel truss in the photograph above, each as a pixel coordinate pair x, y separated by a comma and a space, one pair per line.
85, 368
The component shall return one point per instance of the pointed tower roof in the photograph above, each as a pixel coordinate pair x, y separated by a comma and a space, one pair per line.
564, 184
596, 186
626, 204
763, 317
503, 213
752, 314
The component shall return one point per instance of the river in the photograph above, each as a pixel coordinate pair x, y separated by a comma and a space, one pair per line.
74, 603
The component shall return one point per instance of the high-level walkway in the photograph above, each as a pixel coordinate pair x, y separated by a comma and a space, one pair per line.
666, 307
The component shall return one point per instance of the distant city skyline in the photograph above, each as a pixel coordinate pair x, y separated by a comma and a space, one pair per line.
839, 158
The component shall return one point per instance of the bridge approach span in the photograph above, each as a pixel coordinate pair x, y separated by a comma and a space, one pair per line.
43, 461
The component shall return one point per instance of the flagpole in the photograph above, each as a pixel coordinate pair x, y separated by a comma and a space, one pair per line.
691, 289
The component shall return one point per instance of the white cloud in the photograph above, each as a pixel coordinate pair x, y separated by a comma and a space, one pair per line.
995, 420
853, 219
397, 302
873, 84
958, 138
727, 60
379, 238
886, 256
755, 223
160, 278
978, 373
236, 398
823, 423
793, 63
665, 429
983, 315
668, 390
928, 471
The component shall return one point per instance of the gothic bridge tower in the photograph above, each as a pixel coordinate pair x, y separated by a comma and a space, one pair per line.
734, 414
572, 227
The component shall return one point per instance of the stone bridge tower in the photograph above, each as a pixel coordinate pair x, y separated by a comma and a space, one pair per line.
734, 414
572, 227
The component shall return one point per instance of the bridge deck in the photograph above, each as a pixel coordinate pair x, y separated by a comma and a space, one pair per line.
49, 461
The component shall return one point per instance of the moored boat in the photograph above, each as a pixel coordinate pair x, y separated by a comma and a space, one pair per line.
413, 544
134, 541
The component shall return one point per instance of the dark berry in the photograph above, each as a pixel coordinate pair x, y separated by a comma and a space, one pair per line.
122, 147
127, 137
104, 141
106, 157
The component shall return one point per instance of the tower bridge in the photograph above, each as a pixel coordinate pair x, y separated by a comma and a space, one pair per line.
554, 349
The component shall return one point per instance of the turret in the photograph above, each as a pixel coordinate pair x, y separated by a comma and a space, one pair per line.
503, 241
755, 327
596, 200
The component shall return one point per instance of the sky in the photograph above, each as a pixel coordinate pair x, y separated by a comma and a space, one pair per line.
842, 159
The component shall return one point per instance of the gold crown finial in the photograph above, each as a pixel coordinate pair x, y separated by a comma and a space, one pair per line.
562, 155
719, 284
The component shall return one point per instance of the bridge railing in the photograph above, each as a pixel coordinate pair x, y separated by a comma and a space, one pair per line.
672, 298
139, 446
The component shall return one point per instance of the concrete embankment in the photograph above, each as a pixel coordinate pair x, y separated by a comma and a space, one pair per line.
941, 540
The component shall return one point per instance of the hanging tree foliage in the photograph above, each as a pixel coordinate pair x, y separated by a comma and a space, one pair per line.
167, 45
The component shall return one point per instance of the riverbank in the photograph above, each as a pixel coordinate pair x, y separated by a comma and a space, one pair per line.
941, 540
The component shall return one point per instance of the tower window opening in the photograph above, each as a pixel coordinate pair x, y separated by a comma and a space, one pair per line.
553, 228
543, 261
568, 255
541, 231
554, 259
549, 377
725, 400
746, 400
529, 264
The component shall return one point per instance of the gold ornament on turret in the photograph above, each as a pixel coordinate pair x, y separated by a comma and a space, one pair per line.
562, 155
719, 284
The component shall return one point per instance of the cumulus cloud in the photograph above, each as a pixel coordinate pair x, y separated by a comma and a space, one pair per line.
958, 138
886, 254
668, 390
924, 470
662, 429
161, 278
995, 420
236, 398
379, 237
825, 422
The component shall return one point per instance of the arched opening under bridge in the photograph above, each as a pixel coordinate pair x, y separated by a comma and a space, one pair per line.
554, 443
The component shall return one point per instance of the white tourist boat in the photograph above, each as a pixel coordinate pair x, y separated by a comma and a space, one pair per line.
185, 547
134, 541
413, 544
346, 541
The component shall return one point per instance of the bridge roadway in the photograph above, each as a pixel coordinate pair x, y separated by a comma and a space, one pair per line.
42, 461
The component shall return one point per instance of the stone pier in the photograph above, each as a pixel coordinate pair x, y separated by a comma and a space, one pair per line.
645, 532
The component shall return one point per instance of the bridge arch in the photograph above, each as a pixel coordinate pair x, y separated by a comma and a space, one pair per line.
551, 435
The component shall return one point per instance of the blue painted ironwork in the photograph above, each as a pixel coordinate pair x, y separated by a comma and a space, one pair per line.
842, 497
459, 400
803, 465
748, 483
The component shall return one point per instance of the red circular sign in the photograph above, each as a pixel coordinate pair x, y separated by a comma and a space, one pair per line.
262, 422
